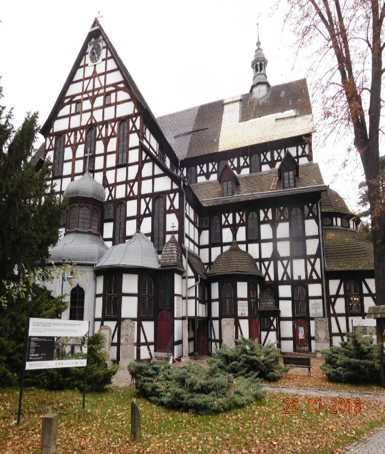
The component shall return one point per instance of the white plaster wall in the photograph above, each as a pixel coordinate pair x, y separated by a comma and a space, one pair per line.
266, 250
215, 309
333, 286
283, 248
245, 328
129, 307
315, 289
286, 328
214, 290
177, 330
285, 291
283, 230
242, 289
266, 232
299, 269
287, 346
146, 186
340, 306
162, 184
311, 227
148, 328
286, 308
311, 246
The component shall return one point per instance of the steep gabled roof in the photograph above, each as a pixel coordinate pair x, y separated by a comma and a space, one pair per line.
126, 75
202, 130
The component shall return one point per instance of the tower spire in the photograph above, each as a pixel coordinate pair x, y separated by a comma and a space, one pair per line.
260, 86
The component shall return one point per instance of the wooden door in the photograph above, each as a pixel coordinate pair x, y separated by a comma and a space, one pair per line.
163, 331
201, 341
301, 335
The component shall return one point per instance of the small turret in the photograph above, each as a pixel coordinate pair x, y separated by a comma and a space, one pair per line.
260, 86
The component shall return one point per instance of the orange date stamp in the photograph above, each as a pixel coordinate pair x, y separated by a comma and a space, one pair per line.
335, 406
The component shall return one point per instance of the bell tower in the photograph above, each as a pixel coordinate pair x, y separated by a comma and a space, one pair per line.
260, 86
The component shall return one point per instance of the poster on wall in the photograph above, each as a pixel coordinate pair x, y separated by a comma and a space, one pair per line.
368, 325
56, 343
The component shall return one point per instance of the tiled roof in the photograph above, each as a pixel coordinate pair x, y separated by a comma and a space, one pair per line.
259, 185
347, 250
171, 254
234, 261
332, 202
204, 129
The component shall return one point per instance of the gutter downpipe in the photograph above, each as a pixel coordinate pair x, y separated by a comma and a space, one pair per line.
186, 272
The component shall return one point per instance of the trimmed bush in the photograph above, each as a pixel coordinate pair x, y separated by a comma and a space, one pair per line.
193, 387
353, 361
250, 359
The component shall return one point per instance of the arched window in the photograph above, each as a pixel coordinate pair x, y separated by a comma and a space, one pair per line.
159, 221
73, 218
120, 221
353, 296
95, 221
90, 149
112, 295
192, 175
59, 156
300, 303
253, 299
147, 296
84, 218
77, 303
252, 225
255, 163
215, 231
123, 143
227, 300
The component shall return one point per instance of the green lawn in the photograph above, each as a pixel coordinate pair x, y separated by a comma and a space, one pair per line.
104, 426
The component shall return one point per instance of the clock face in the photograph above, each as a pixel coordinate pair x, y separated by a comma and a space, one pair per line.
95, 52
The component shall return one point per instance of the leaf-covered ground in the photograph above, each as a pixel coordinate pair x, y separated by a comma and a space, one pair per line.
104, 426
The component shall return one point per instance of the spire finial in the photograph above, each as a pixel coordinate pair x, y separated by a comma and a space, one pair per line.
258, 40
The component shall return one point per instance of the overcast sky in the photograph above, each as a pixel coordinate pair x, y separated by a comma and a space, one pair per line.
180, 53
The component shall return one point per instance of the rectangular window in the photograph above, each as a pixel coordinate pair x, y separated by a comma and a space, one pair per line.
289, 179
227, 188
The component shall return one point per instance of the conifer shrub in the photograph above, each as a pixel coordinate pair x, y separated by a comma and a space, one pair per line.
251, 359
355, 360
98, 374
193, 387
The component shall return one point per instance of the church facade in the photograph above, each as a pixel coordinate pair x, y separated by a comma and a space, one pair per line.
204, 225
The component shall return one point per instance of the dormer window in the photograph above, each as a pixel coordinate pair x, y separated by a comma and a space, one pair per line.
228, 180
227, 188
288, 171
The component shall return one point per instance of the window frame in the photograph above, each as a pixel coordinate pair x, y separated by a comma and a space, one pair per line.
289, 179
349, 295
120, 223
227, 300
147, 283
255, 163
59, 156
159, 223
111, 298
123, 143
252, 225
77, 299
215, 229
90, 149
300, 302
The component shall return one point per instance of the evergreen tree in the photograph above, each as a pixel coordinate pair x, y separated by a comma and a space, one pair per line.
353, 361
30, 211
249, 358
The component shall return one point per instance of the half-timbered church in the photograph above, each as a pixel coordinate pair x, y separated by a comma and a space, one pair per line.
201, 226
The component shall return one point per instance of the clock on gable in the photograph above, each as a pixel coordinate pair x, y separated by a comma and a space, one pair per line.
95, 52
